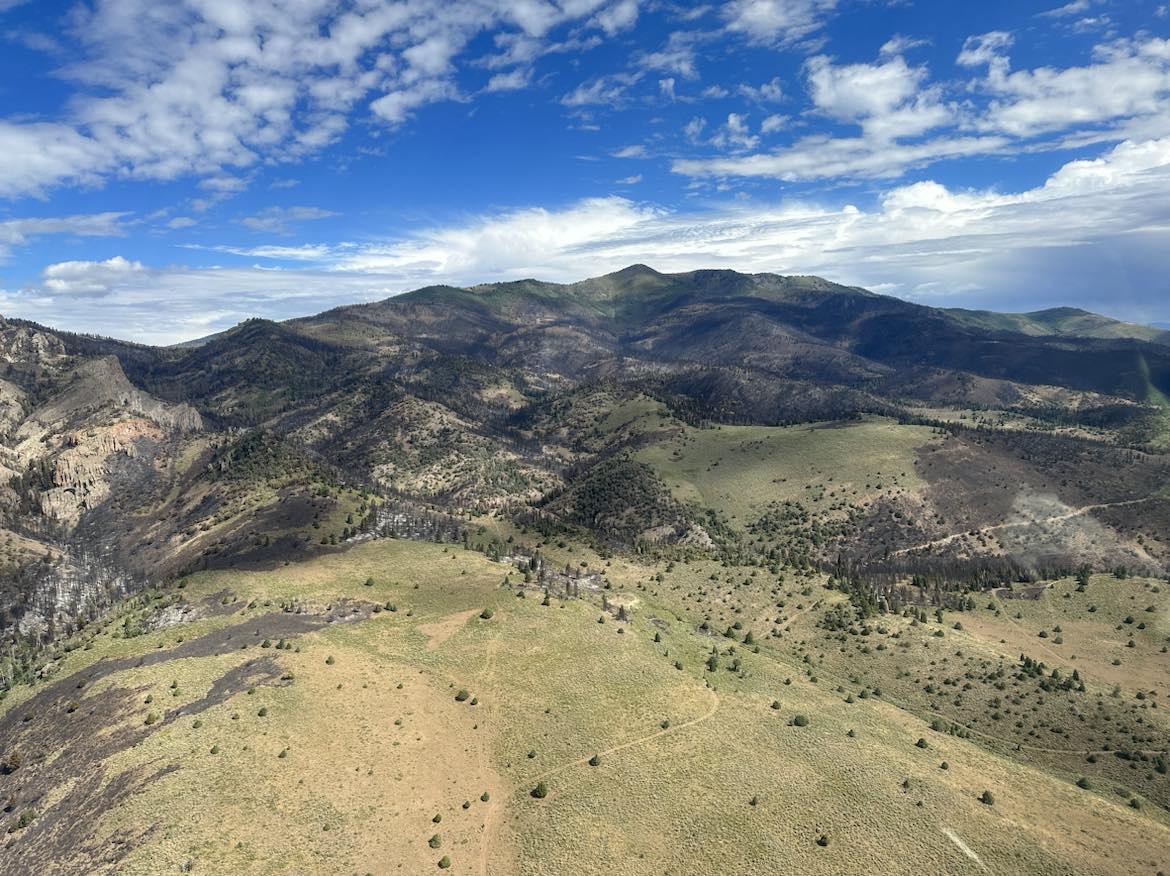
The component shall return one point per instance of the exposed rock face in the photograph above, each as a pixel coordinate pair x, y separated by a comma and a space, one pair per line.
72, 436
71, 427
23, 345
99, 385
12, 406
80, 472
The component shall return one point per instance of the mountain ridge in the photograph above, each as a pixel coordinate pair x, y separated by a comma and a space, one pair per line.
452, 397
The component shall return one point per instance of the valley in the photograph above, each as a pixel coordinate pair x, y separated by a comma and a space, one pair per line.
653, 573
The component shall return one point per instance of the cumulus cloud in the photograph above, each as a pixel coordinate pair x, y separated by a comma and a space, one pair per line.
735, 134
677, 56
768, 92
905, 120
68, 279
888, 100
776, 21
1130, 83
617, 17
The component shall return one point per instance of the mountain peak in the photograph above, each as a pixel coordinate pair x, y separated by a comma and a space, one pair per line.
635, 270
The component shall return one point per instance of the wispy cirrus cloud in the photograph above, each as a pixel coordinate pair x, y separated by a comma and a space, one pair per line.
18, 232
281, 220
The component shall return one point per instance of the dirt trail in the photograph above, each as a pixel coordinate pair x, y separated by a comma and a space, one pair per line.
495, 810
996, 527
491, 821
440, 631
674, 728
962, 846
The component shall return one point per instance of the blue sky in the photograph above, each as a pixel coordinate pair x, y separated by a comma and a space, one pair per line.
172, 168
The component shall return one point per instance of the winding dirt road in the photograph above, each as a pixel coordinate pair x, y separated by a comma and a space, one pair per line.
1015, 524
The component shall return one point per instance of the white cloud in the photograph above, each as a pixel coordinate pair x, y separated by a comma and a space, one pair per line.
677, 56
890, 103
181, 222
1076, 7
67, 279
38, 155
773, 123
906, 122
308, 252
768, 92
224, 183
204, 87
735, 134
899, 44
888, 100
821, 157
18, 232
512, 243
617, 17
396, 106
1132, 81
1060, 242
605, 90
987, 48
279, 219
776, 21
630, 180
693, 129
513, 80
636, 150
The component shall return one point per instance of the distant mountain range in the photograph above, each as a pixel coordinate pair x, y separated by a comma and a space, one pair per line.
1069, 322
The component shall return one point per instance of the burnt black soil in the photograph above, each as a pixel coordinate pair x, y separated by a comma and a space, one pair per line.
63, 735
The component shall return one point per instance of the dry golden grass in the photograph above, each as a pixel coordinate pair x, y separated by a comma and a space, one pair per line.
376, 743
740, 469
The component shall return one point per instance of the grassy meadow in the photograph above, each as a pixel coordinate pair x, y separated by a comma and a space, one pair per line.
410, 740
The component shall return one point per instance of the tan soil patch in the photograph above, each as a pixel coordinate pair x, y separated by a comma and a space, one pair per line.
440, 631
